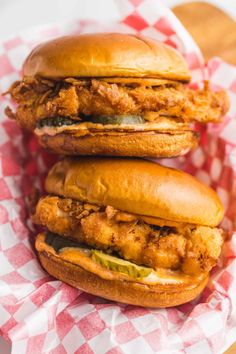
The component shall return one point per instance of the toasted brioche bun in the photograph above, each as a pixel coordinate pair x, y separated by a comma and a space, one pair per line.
118, 289
136, 186
105, 55
138, 144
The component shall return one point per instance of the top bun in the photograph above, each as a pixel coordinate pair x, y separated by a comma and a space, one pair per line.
105, 55
136, 186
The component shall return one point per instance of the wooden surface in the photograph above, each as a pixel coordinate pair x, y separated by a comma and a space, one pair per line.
215, 33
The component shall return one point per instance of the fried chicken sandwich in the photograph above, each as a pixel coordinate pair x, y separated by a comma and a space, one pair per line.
112, 94
128, 230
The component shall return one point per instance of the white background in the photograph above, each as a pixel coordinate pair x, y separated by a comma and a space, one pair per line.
17, 15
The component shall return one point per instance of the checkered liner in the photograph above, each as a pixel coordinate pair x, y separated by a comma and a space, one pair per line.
42, 315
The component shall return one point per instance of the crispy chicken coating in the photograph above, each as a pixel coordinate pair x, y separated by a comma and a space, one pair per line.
78, 98
190, 248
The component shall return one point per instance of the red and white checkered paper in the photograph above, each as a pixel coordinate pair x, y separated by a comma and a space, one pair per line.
39, 314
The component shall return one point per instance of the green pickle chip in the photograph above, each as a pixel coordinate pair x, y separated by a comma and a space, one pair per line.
55, 122
118, 119
120, 265
115, 119
59, 243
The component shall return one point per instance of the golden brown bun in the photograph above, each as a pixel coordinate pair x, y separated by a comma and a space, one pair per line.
133, 293
136, 186
105, 55
125, 144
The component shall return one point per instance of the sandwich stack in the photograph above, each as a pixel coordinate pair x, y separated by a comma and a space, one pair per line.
117, 226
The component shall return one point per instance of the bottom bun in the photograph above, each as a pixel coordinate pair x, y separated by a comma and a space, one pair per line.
144, 144
129, 292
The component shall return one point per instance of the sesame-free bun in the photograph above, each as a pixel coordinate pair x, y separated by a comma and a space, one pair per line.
118, 289
105, 55
137, 144
136, 186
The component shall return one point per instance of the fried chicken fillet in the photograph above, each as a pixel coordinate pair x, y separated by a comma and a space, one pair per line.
192, 249
128, 97
80, 99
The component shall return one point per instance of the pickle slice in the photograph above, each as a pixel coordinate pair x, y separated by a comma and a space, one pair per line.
55, 122
118, 119
120, 265
60, 243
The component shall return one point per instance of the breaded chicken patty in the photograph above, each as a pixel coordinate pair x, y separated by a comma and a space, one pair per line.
38, 99
190, 248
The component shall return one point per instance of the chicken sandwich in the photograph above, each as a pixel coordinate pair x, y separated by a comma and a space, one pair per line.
129, 230
112, 94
